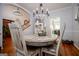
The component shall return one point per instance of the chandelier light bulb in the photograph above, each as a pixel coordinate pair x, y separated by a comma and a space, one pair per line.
41, 8
36, 9
33, 11
47, 10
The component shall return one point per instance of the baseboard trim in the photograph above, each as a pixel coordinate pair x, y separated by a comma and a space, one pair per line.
76, 46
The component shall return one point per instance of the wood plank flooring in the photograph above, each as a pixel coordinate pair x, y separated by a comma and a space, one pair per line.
65, 49
68, 50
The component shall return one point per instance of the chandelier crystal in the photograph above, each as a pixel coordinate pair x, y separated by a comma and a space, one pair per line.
40, 12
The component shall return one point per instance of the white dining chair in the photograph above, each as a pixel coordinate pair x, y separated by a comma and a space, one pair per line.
54, 48
19, 43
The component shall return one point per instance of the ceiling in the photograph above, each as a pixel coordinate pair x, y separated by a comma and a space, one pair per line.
50, 6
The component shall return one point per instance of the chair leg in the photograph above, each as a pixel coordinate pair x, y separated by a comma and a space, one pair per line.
40, 52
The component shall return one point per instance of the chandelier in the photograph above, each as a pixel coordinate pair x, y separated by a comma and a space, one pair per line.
40, 12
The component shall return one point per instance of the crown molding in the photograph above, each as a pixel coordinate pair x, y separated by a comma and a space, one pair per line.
16, 5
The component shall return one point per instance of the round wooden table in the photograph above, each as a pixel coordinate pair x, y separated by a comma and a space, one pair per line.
39, 41
33, 40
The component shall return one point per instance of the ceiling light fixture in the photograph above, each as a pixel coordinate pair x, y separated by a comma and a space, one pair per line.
40, 11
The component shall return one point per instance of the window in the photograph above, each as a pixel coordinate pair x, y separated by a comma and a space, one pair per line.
55, 25
56, 22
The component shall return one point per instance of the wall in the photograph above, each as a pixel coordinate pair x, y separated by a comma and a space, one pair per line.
65, 15
75, 26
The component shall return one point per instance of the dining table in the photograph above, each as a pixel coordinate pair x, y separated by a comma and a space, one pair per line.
39, 41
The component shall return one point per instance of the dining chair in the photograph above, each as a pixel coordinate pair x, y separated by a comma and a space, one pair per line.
19, 43
54, 48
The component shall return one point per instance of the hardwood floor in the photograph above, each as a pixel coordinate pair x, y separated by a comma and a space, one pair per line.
65, 49
68, 50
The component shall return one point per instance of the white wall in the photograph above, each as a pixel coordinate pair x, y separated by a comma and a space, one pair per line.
75, 26
65, 15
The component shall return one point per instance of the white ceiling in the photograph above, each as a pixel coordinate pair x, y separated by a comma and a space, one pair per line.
50, 6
